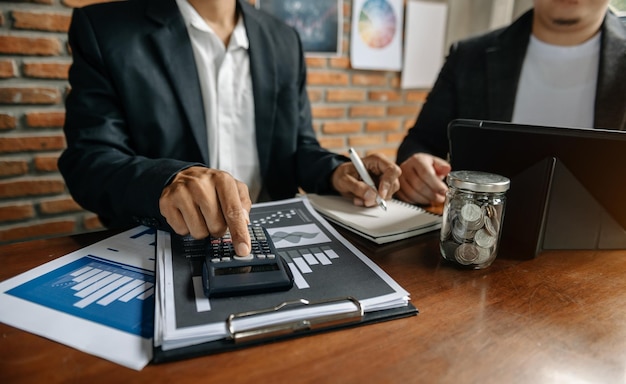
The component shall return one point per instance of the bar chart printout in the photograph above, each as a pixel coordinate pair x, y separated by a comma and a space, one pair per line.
98, 290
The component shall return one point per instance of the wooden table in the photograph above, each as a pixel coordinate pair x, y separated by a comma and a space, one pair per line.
559, 318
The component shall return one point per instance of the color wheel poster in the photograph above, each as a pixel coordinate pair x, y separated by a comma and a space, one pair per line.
376, 40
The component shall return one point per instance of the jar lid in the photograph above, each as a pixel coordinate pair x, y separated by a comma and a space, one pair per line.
478, 181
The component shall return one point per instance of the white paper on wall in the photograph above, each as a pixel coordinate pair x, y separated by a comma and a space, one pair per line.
423, 43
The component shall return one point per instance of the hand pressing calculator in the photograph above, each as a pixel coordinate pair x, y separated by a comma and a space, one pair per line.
263, 270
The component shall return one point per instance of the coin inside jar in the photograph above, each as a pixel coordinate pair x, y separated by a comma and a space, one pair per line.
473, 213
466, 253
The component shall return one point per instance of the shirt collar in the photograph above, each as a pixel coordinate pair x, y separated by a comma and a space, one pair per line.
239, 37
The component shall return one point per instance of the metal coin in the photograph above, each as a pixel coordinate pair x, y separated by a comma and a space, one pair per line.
466, 253
471, 212
483, 239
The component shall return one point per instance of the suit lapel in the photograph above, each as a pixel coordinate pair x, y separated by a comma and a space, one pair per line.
504, 64
174, 48
610, 109
264, 82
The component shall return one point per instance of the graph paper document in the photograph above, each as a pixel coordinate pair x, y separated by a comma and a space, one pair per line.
99, 299
325, 267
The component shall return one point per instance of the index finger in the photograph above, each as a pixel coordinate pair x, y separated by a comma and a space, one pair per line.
235, 205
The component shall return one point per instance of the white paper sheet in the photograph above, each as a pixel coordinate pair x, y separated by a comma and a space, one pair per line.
423, 43
98, 299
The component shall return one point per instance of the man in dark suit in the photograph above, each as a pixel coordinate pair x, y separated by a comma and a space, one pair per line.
180, 108
562, 63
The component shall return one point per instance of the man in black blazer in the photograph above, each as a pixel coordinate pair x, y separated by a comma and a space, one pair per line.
480, 79
136, 126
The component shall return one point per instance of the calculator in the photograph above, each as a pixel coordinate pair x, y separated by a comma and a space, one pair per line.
224, 273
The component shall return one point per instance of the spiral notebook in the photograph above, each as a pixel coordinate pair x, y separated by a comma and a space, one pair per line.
400, 221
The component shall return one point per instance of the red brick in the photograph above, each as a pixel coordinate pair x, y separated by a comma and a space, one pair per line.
395, 137
385, 96
416, 96
332, 142
395, 82
29, 95
13, 167
31, 187
315, 95
81, 3
46, 163
341, 127
16, 212
59, 206
408, 124
365, 140
316, 62
22, 45
343, 95
403, 110
323, 112
369, 79
382, 125
327, 78
7, 121
49, 119
347, 10
367, 111
340, 62
46, 70
40, 21
390, 153
7, 69
31, 231
31, 143
92, 222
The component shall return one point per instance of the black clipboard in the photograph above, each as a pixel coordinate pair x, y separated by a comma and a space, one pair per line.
295, 329
566, 188
338, 285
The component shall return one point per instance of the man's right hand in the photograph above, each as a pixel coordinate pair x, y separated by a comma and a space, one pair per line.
421, 181
202, 201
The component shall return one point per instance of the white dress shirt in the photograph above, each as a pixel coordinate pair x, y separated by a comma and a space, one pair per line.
226, 86
557, 86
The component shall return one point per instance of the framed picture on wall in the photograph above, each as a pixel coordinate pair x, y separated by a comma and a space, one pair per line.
318, 22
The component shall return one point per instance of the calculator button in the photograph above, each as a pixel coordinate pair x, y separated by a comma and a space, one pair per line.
248, 257
215, 260
260, 257
271, 256
225, 258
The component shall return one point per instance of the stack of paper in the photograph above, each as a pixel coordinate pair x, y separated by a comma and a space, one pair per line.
328, 272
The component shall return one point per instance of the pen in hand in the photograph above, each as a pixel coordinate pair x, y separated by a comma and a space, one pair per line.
365, 176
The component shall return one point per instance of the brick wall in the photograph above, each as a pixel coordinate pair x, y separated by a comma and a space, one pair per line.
363, 109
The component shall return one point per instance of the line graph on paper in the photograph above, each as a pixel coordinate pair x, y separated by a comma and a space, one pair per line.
99, 290
299, 240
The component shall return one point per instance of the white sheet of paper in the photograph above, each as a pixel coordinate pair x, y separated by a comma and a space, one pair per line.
423, 43
58, 300
376, 39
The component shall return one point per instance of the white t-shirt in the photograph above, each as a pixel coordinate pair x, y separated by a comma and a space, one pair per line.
557, 85
226, 86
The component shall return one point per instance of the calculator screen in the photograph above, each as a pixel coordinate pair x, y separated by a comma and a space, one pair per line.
246, 269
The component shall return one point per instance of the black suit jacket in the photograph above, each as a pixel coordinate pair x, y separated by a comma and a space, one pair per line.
479, 81
134, 116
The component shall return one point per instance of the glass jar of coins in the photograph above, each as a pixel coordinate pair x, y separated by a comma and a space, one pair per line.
472, 218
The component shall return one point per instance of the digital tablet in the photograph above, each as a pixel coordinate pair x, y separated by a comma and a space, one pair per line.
568, 185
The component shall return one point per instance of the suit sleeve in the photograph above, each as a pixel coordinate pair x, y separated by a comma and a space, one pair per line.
429, 134
101, 169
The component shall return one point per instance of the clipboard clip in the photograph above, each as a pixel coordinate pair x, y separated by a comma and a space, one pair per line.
287, 326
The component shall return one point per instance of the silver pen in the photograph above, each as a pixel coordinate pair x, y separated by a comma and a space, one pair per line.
365, 176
